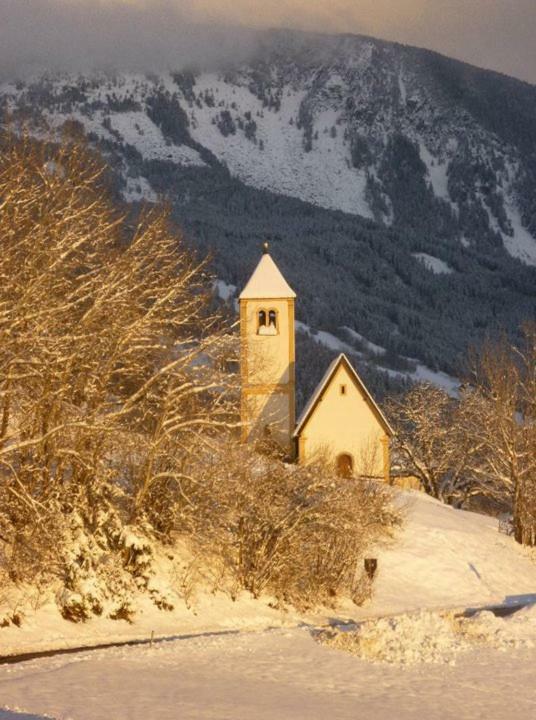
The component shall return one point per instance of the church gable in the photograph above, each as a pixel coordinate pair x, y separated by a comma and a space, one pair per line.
343, 424
341, 380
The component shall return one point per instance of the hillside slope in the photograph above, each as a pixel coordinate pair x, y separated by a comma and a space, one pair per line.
441, 558
451, 558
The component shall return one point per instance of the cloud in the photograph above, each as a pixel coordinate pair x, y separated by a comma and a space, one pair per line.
77, 35
158, 34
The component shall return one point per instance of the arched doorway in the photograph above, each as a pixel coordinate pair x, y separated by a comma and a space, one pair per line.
345, 466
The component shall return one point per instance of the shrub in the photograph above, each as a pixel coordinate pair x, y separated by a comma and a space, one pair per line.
295, 532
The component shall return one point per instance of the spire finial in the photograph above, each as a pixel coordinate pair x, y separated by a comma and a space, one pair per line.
265, 248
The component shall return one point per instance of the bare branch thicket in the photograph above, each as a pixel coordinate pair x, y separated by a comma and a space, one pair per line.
501, 398
432, 444
296, 532
116, 406
484, 443
112, 359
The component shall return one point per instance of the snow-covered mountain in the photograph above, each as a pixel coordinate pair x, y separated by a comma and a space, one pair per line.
429, 165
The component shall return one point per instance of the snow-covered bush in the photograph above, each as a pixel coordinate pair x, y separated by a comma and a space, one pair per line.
296, 532
110, 363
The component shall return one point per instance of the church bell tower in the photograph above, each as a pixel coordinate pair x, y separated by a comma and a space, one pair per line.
268, 356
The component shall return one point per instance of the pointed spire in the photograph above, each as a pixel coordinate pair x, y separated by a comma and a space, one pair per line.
267, 282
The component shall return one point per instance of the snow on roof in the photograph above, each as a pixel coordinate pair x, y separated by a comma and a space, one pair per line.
323, 384
267, 282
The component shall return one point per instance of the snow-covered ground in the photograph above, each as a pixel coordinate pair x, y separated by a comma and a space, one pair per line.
370, 346
328, 340
44, 628
450, 558
522, 245
437, 172
322, 176
443, 558
224, 290
424, 374
274, 675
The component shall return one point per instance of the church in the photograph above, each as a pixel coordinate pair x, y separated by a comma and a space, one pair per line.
341, 423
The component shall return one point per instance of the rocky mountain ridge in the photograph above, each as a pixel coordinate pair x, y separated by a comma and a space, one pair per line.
400, 181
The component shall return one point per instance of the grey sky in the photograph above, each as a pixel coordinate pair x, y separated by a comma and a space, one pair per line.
144, 34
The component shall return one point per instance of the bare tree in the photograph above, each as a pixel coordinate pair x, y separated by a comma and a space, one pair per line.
526, 525
112, 359
431, 442
502, 400
483, 443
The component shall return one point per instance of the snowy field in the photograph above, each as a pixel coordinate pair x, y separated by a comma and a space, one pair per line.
447, 558
273, 675
406, 661
442, 558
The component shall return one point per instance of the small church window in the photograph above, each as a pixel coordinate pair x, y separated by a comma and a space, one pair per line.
267, 323
343, 389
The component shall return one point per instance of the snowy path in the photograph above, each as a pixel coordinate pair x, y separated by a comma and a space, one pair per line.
277, 675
